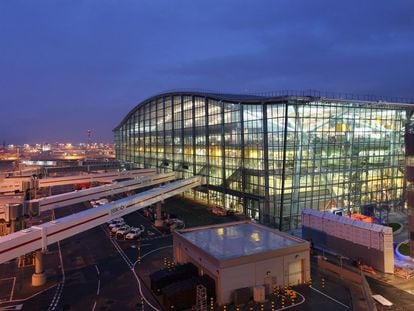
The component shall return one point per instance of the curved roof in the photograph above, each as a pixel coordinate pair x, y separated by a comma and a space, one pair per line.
245, 98
280, 96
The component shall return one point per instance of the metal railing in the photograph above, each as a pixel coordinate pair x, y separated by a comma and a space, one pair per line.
298, 93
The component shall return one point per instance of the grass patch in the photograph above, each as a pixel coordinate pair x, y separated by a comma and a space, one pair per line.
395, 226
193, 213
404, 249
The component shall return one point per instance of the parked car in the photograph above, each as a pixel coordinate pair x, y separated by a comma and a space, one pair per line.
116, 227
117, 223
135, 233
115, 220
218, 211
123, 230
102, 201
175, 223
96, 203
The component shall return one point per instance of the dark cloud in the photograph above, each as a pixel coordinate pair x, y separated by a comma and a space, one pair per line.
69, 66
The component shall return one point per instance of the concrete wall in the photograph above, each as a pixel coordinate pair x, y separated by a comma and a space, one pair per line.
254, 273
233, 278
185, 252
380, 260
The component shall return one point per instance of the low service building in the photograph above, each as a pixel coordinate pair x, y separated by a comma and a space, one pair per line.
243, 254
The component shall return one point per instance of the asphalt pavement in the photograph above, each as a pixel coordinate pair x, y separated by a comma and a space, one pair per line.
96, 271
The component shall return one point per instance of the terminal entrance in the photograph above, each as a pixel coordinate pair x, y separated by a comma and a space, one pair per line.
253, 209
234, 203
295, 272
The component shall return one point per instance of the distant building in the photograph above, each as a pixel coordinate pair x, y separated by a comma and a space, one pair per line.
271, 156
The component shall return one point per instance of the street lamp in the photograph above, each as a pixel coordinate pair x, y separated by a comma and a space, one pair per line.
139, 251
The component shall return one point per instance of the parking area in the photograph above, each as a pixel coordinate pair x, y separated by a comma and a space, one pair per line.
325, 293
155, 253
401, 299
178, 213
98, 266
195, 214
7, 288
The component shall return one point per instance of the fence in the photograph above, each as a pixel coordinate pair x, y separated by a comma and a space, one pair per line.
355, 277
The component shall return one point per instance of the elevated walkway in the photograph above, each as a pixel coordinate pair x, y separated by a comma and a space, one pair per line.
39, 237
60, 200
100, 177
20, 184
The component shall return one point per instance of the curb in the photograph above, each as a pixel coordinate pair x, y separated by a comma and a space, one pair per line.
407, 258
399, 230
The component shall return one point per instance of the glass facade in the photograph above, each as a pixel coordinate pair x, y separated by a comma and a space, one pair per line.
271, 157
409, 154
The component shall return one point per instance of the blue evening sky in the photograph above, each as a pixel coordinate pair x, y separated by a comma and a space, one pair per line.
69, 66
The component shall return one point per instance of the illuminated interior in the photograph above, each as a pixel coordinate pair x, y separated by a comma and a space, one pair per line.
271, 157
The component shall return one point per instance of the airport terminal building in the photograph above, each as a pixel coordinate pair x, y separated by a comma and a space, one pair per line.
271, 156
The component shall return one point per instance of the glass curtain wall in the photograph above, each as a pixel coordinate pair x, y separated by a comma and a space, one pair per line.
272, 159
337, 156
409, 161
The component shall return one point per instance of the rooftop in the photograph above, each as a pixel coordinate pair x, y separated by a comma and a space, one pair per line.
301, 97
238, 239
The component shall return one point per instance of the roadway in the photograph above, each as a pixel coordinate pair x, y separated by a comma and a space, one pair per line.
92, 271
96, 272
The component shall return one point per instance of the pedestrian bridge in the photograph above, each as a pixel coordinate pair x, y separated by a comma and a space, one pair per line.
39, 237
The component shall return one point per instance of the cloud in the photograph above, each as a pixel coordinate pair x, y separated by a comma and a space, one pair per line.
102, 57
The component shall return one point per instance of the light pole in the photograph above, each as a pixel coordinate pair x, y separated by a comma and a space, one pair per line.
139, 251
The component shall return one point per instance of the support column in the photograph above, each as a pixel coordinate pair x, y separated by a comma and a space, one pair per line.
295, 208
282, 194
12, 225
39, 277
266, 215
409, 177
158, 222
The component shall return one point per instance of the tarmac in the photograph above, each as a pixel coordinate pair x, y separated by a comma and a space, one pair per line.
398, 290
117, 281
